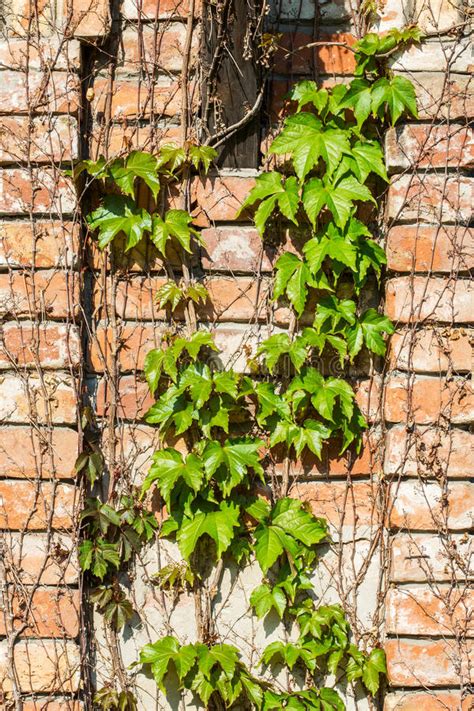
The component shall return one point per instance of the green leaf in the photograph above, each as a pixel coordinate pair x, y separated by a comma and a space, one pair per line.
218, 525
325, 398
170, 293
293, 278
369, 329
359, 99
167, 651
267, 546
137, 165
176, 224
307, 92
234, 459
97, 556
305, 138
272, 190
280, 344
170, 468
202, 155
330, 311
339, 198
369, 158
119, 214
373, 667
396, 96
265, 598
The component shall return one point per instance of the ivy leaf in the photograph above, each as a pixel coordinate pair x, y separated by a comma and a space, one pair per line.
280, 344
338, 198
396, 95
369, 330
157, 361
272, 190
172, 157
201, 155
312, 434
290, 515
97, 556
265, 598
293, 278
268, 546
373, 667
168, 468
359, 99
236, 456
368, 158
324, 399
331, 244
305, 138
175, 224
167, 651
138, 164
169, 293
269, 402
119, 214
218, 525
330, 311
307, 92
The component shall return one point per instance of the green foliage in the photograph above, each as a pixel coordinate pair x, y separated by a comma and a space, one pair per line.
329, 174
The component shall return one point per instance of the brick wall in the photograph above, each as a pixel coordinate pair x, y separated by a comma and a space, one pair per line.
77, 80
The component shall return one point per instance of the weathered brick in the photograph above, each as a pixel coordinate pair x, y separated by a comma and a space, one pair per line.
418, 298
38, 191
135, 341
429, 452
294, 57
19, 54
42, 140
443, 97
414, 610
427, 701
428, 146
29, 453
42, 666
57, 704
48, 345
25, 505
133, 398
424, 248
235, 249
131, 100
50, 398
423, 400
49, 293
159, 48
219, 198
296, 10
39, 92
45, 612
414, 663
149, 10
430, 198
369, 398
127, 136
332, 501
45, 243
436, 16
21, 19
428, 506
435, 56
422, 557
41, 558
432, 350
88, 19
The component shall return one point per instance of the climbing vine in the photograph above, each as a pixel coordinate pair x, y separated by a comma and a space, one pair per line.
221, 430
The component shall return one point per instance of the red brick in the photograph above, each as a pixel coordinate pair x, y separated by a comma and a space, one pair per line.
429, 452
369, 398
432, 350
46, 613
26, 505
443, 97
18, 53
133, 398
160, 48
22, 18
422, 558
219, 198
328, 59
430, 198
425, 400
426, 663
42, 666
61, 704
56, 294
135, 340
89, 18
49, 345
41, 191
51, 398
427, 701
125, 137
340, 506
44, 244
150, 10
42, 140
421, 611
131, 100
424, 248
29, 453
57, 92
235, 249
428, 146
41, 558
420, 506
410, 299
